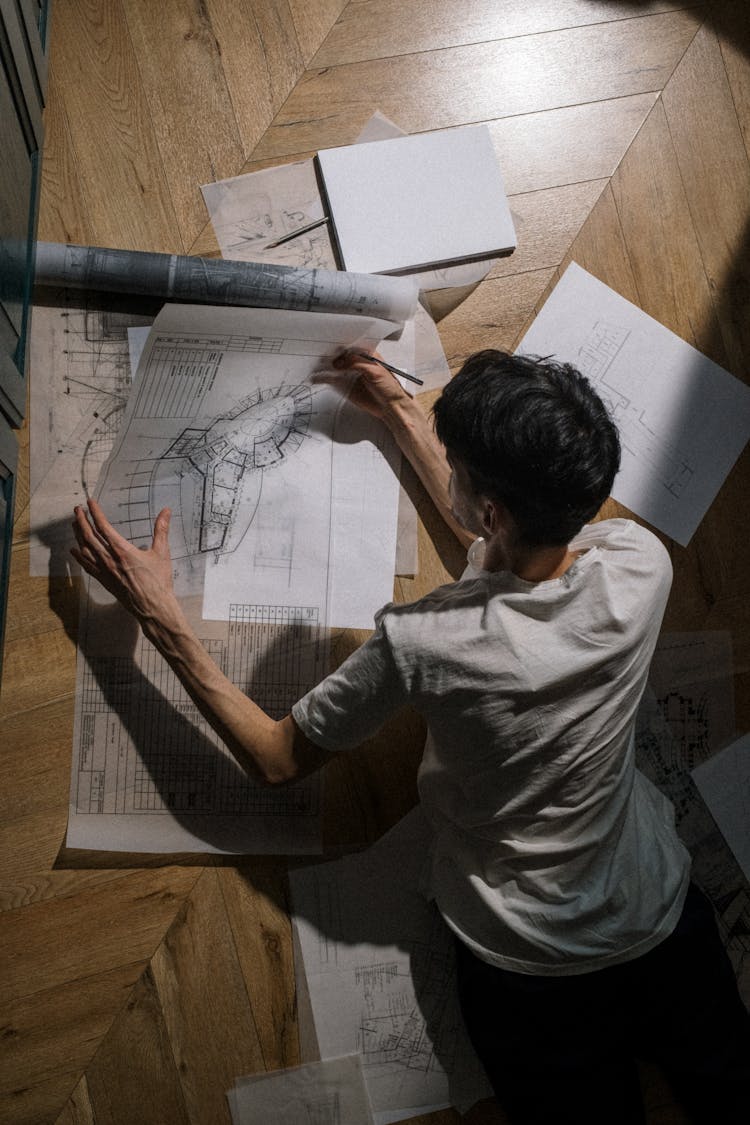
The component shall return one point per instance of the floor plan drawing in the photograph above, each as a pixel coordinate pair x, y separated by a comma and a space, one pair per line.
597, 358
212, 475
379, 967
682, 419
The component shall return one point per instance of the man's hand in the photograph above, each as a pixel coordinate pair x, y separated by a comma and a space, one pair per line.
367, 385
141, 580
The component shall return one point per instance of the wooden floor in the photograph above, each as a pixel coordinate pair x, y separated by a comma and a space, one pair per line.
135, 993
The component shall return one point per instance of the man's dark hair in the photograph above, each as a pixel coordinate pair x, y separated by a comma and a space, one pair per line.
533, 434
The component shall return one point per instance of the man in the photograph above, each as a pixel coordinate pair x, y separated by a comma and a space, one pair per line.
579, 941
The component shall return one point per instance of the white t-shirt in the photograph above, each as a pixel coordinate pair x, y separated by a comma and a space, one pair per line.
552, 854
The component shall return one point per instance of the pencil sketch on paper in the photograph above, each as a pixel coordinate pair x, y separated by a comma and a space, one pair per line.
250, 211
79, 356
597, 359
212, 475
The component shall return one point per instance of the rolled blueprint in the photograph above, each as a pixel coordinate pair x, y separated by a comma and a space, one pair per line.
218, 281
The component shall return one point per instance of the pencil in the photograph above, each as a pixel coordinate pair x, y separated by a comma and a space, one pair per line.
293, 233
389, 367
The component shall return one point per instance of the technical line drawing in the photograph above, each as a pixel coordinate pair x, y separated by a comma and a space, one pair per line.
393, 1023
211, 476
87, 384
150, 763
596, 359
79, 355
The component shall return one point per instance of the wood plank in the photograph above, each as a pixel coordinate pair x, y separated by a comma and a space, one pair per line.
492, 316
255, 901
63, 216
36, 671
261, 59
313, 20
376, 29
50, 1038
600, 248
546, 223
43, 885
72, 938
662, 246
180, 64
729, 17
35, 767
133, 1076
78, 1110
39, 605
481, 82
32, 843
568, 145
120, 175
205, 1003
714, 166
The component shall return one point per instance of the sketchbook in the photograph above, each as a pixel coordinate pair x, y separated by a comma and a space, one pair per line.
409, 202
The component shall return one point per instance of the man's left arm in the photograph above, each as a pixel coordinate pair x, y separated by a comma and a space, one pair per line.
271, 751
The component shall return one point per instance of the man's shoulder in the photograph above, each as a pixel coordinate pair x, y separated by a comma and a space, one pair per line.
627, 544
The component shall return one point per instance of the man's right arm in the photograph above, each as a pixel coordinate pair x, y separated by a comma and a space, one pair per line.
379, 393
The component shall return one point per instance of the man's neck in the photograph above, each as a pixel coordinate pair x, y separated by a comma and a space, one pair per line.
532, 564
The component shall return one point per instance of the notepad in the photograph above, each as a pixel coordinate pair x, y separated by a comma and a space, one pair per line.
419, 201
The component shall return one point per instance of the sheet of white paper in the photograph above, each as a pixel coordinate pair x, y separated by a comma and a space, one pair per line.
137, 338
417, 201
683, 420
724, 783
249, 211
322, 1093
378, 960
80, 384
224, 428
381, 128
148, 774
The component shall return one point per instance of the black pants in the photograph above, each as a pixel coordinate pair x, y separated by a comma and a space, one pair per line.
562, 1050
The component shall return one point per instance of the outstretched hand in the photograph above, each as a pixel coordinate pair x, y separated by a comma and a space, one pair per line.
140, 579
367, 385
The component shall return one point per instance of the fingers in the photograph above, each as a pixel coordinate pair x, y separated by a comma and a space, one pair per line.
160, 542
104, 529
352, 358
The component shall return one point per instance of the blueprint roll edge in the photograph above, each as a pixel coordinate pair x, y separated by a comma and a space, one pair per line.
219, 281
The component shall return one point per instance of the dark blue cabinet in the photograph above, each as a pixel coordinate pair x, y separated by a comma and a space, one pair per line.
23, 26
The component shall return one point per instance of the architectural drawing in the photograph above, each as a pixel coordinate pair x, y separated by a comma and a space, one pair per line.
224, 427
685, 718
216, 281
142, 747
683, 420
379, 968
79, 356
212, 476
596, 358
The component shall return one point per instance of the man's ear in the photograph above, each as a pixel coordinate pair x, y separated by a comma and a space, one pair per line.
494, 516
